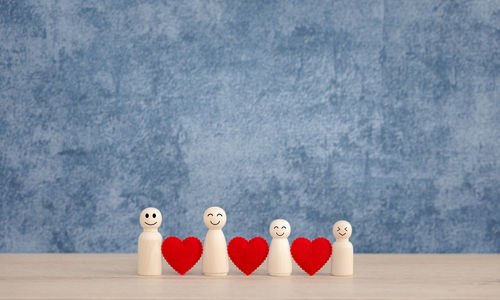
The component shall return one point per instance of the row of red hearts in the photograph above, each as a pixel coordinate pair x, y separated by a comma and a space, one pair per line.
247, 256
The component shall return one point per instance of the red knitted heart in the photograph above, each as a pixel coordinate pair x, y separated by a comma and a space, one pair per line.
181, 255
247, 255
311, 256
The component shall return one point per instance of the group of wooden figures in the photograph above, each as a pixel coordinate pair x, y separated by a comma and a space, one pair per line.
246, 255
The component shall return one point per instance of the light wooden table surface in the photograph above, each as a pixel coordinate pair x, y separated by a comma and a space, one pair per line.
377, 276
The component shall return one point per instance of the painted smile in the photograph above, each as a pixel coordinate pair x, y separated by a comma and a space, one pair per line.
150, 224
343, 234
215, 223
280, 234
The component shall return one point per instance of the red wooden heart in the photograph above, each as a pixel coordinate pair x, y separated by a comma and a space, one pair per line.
311, 256
247, 255
181, 255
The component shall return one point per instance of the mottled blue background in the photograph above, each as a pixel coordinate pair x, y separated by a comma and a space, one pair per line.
384, 113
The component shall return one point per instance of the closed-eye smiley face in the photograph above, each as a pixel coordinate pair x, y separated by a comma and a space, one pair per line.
342, 230
150, 218
280, 229
214, 217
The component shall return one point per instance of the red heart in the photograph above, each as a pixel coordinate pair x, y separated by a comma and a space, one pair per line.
247, 255
181, 255
311, 256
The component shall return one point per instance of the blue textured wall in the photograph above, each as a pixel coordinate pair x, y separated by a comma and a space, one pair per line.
385, 113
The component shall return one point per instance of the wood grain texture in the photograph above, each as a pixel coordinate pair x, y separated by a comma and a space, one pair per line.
377, 276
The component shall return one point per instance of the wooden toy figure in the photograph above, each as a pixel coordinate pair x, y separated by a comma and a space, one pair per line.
215, 260
279, 262
149, 245
342, 250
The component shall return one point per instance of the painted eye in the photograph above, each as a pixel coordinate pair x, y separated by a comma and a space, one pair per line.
346, 229
338, 228
154, 215
219, 215
283, 227
210, 215
147, 215
276, 227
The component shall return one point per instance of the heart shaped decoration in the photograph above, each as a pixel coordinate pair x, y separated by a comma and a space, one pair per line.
247, 255
181, 255
311, 256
